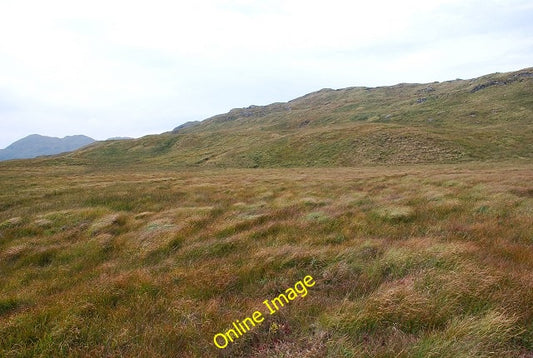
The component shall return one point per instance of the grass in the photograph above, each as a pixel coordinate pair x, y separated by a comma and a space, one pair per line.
410, 261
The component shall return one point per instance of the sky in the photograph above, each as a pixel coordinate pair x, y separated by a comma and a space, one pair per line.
131, 68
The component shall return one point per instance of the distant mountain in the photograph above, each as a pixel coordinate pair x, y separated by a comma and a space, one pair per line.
36, 145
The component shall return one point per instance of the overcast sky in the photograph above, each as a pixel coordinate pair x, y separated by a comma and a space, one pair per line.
129, 68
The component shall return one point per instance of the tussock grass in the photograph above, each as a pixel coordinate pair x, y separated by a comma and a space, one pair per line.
421, 261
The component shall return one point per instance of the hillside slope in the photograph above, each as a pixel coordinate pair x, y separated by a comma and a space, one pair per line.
488, 118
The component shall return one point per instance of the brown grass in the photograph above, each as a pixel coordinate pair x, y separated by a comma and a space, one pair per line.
420, 261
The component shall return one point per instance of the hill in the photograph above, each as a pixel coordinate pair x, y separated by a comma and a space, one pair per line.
487, 118
37, 145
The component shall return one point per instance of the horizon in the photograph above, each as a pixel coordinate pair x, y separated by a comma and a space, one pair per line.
93, 70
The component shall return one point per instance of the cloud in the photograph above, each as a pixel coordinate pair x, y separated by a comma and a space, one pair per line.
110, 68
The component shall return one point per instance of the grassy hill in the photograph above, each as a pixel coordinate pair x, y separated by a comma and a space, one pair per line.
410, 206
488, 118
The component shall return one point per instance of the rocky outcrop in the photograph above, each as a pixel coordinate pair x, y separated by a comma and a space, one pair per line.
513, 78
185, 125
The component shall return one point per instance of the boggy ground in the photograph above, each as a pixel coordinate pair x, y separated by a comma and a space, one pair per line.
418, 261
